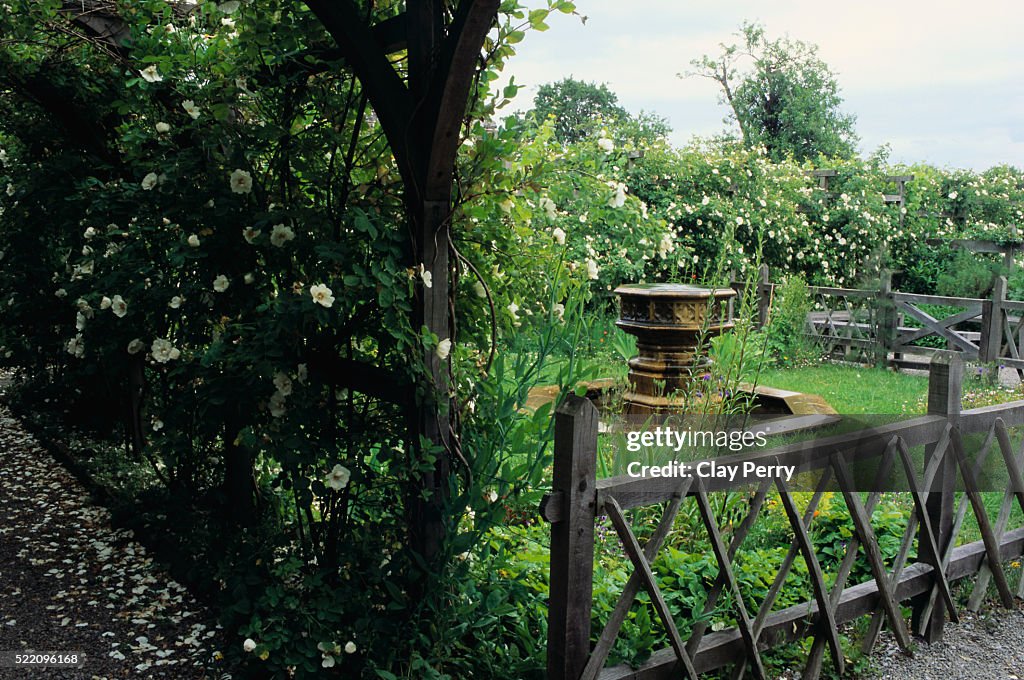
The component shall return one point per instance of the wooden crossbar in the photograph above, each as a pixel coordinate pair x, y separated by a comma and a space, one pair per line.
643, 567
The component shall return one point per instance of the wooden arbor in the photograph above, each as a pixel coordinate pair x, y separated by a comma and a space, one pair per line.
421, 115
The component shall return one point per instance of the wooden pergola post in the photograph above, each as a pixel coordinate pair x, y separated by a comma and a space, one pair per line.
421, 116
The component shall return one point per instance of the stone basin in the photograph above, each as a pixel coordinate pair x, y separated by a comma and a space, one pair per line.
671, 322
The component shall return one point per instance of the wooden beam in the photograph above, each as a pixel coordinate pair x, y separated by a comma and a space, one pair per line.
387, 93
450, 87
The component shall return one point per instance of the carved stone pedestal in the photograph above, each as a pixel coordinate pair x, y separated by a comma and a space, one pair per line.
670, 322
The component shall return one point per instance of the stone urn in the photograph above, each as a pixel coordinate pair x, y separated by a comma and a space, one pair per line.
671, 322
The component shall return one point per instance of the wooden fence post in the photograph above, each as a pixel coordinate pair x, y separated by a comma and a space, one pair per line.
764, 296
885, 307
945, 383
572, 538
991, 344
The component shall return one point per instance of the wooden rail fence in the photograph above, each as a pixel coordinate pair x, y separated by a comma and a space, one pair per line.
884, 326
578, 498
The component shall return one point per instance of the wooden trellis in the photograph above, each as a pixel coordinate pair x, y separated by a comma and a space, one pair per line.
578, 498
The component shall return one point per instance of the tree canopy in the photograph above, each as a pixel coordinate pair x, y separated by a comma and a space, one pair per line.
781, 95
582, 110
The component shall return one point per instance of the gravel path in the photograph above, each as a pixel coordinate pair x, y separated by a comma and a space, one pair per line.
70, 582
986, 646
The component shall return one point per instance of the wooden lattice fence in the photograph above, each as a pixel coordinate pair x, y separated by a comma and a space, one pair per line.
886, 327
578, 498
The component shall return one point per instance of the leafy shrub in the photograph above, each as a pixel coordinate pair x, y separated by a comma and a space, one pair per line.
787, 333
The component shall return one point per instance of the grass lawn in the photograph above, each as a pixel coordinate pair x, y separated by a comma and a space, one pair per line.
851, 389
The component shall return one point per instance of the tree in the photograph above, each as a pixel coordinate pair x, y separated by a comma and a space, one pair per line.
582, 109
787, 100
579, 108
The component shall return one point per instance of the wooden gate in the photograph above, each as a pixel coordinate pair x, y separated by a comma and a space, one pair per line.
578, 498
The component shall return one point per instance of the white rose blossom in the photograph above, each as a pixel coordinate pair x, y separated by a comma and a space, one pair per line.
163, 351
283, 383
106, 302
618, 199
118, 306
426, 276
190, 108
559, 235
76, 346
249, 645
281, 234
193, 240
276, 405
241, 181
136, 346
221, 283
250, 234
592, 270
175, 302
321, 294
163, 127
350, 647
149, 181
338, 477
606, 144
549, 207
444, 348
150, 74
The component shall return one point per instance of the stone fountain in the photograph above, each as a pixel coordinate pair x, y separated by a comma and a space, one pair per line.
670, 322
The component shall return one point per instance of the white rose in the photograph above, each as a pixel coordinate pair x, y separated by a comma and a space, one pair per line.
444, 348
221, 283
150, 74
149, 181
338, 477
322, 295
281, 234
118, 306
163, 351
241, 182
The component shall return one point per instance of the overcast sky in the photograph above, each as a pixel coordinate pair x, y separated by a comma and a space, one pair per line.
940, 81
